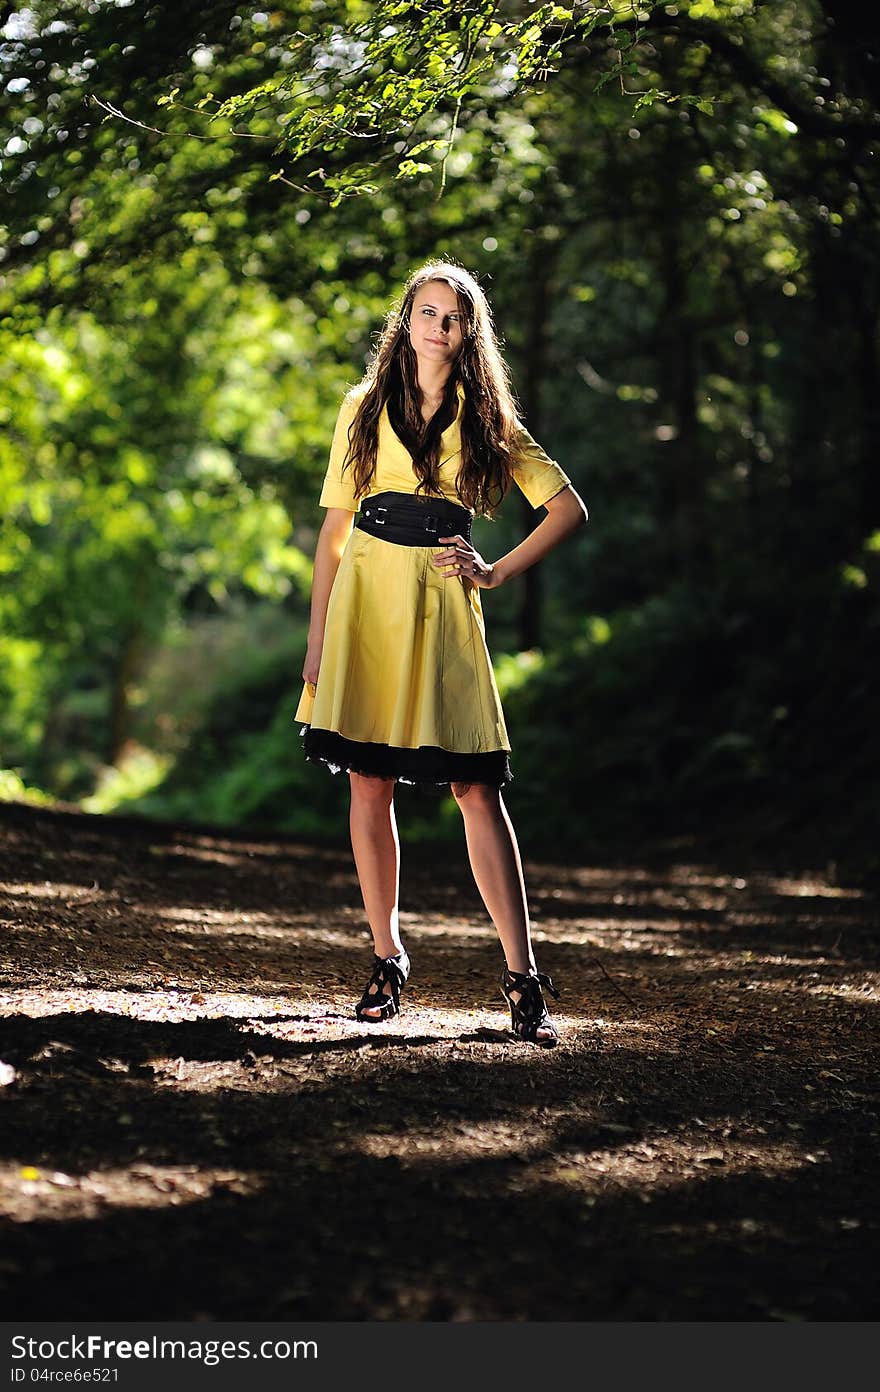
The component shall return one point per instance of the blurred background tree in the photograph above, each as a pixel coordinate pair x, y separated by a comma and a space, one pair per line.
673, 209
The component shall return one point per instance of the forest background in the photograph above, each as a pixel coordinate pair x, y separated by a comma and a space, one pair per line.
206, 211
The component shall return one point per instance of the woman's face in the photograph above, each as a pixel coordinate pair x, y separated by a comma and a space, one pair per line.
436, 323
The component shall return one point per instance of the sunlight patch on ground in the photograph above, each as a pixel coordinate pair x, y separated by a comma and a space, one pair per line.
616, 936
327, 1011
869, 990
785, 959
589, 875
203, 853
322, 1017
252, 852
50, 889
225, 922
453, 1142
603, 927
170, 1004
42, 1194
620, 1160
415, 1027
307, 929
808, 920
667, 1161
657, 1163
453, 928
784, 885
701, 877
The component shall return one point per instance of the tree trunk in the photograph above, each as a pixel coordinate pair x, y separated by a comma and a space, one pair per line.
123, 679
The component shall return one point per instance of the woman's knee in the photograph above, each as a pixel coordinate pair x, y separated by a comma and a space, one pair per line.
370, 789
476, 795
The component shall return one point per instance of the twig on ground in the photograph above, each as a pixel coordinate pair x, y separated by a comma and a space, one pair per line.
610, 978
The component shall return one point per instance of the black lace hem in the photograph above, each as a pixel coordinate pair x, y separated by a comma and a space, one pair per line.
426, 767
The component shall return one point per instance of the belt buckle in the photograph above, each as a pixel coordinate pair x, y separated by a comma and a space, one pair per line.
432, 524
380, 521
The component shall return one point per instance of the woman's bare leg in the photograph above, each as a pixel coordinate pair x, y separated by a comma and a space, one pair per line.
376, 848
495, 861
497, 868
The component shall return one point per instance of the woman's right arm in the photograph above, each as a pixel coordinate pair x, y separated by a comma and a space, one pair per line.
335, 532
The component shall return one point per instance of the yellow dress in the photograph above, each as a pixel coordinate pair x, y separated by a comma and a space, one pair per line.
405, 686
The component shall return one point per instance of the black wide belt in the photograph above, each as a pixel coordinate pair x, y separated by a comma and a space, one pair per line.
410, 520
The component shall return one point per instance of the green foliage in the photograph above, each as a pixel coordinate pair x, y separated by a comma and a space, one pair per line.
234, 751
152, 469
383, 75
705, 715
14, 789
205, 216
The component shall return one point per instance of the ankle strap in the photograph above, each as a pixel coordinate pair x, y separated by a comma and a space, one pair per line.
541, 977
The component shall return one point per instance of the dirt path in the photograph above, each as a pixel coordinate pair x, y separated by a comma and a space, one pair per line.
193, 1126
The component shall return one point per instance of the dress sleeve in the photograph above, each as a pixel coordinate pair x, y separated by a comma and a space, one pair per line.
338, 489
537, 475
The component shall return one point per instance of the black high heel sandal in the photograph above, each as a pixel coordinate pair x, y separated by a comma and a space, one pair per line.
529, 1014
387, 971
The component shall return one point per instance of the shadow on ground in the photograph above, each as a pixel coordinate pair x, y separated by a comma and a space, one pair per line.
195, 1127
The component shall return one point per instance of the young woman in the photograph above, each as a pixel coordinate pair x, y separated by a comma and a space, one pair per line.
398, 682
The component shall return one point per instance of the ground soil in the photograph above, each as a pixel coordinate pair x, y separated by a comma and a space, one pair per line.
193, 1126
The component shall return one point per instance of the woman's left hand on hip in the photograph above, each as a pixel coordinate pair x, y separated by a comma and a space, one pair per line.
460, 559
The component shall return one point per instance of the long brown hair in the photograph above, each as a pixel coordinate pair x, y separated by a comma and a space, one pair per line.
489, 417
